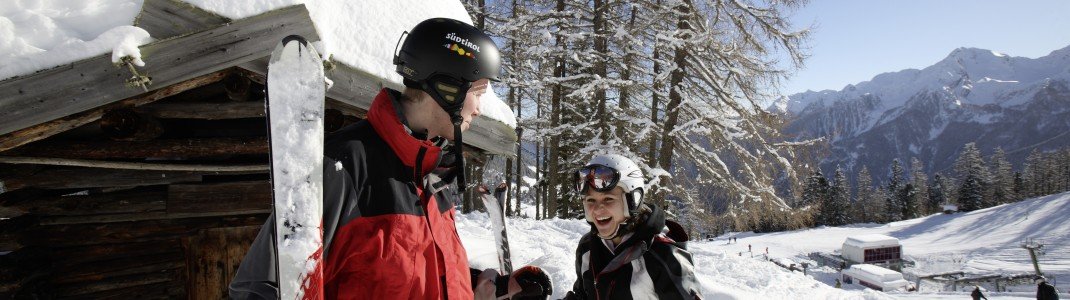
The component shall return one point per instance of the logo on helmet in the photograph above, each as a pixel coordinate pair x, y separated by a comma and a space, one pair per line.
460, 51
463, 41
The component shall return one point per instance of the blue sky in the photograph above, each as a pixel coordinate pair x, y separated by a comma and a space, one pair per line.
856, 40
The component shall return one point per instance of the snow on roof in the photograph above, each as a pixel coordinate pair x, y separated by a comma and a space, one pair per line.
871, 240
874, 272
38, 35
364, 34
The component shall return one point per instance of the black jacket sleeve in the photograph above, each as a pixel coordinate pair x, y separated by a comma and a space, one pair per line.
676, 279
577, 291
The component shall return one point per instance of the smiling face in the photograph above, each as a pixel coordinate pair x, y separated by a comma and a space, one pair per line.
606, 210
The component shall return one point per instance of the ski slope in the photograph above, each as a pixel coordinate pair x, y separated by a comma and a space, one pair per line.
981, 242
551, 245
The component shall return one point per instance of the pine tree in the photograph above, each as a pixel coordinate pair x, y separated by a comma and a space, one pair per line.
920, 180
1064, 168
1002, 187
936, 195
862, 207
970, 194
815, 194
1051, 173
1062, 172
1019, 187
893, 204
908, 196
834, 211
973, 176
878, 203
1033, 175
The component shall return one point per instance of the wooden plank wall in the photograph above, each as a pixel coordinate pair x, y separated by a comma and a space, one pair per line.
216, 254
105, 233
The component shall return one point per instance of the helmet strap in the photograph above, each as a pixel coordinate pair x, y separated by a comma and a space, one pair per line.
442, 88
458, 145
634, 198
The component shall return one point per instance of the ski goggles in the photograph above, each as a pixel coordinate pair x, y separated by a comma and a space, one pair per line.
599, 177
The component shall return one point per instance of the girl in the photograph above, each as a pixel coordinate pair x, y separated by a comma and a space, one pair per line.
626, 255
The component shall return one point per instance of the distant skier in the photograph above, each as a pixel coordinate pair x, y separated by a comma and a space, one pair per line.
626, 255
389, 185
1045, 291
976, 294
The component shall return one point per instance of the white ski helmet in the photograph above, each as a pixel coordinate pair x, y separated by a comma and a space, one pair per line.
628, 176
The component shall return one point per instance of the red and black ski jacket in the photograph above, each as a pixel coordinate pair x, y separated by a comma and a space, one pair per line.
388, 219
647, 264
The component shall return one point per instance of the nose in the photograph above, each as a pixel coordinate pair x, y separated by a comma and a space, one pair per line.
599, 206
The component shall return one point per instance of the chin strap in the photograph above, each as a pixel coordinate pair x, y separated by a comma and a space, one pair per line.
458, 149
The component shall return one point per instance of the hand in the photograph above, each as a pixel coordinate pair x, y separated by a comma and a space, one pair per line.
526, 283
485, 287
530, 282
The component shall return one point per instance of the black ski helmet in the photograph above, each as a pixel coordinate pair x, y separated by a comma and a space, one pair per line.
443, 57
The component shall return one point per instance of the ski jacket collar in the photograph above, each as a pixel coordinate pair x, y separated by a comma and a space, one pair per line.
649, 225
636, 242
420, 155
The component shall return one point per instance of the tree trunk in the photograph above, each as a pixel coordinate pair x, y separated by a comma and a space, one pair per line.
539, 164
655, 101
672, 113
602, 52
626, 75
555, 120
519, 162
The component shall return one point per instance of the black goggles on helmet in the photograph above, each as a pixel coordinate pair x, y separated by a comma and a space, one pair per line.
599, 177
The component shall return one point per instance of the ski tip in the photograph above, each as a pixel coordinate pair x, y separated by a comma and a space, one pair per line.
294, 37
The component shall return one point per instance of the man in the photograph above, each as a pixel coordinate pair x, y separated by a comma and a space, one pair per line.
977, 294
1045, 291
388, 217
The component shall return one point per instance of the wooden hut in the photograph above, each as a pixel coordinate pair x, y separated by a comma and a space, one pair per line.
154, 187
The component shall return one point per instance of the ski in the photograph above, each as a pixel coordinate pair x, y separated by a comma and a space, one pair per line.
496, 212
295, 123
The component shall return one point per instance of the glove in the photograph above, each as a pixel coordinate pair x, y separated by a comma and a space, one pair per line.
529, 282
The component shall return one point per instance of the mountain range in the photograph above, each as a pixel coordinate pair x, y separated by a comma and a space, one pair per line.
973, 95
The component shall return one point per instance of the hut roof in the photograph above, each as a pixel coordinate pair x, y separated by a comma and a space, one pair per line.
57, 80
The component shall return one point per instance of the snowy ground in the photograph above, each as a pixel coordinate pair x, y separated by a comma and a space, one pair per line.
551, 245
980, 242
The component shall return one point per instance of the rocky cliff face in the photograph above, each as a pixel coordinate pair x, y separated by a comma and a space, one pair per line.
973, 95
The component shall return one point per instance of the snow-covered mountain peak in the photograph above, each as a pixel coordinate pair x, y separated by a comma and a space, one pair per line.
975, 54
970, 75
972, 95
